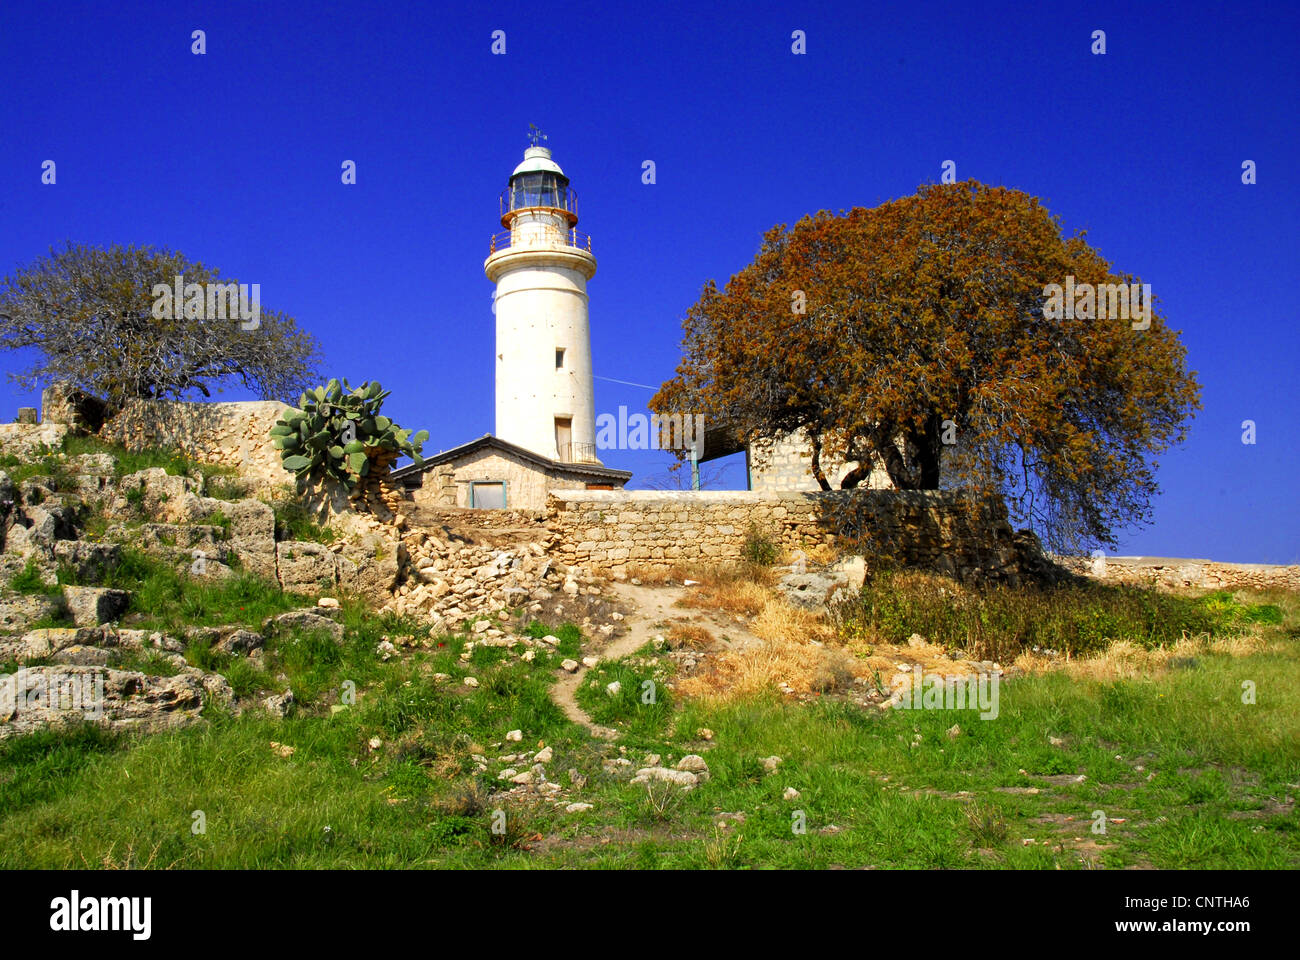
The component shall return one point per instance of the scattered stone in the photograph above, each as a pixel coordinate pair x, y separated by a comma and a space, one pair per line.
694, 763
790, 794
544, 755
613, 689
704, 733
577, 808
508, 773
682, 778
471, 681
329, 603
570, 666
954, 731
278, 704
590, 661
515, 736
770, 764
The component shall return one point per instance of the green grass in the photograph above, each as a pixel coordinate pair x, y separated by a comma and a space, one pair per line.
294, 522
887, 789
168, 599
132, 461
29, 581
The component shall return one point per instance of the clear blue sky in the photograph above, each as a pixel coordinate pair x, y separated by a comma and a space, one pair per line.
234, 159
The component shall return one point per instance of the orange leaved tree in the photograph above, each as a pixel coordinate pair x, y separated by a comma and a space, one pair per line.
954, 338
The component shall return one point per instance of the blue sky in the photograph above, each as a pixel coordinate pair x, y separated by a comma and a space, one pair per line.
234, 158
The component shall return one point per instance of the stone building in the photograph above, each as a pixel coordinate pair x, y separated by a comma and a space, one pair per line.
490, 473
783, 464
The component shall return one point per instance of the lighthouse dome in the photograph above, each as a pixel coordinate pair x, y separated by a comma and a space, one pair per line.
537, 160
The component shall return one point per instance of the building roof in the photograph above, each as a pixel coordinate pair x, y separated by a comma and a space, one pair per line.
592, 470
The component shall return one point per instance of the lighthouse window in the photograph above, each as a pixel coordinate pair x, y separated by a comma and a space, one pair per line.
559, 358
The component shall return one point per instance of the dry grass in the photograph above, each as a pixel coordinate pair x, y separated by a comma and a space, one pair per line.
761, 668
1123, 660
690, 636
777, 620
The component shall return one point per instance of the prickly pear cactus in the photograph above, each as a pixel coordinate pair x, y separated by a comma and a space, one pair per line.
338, 435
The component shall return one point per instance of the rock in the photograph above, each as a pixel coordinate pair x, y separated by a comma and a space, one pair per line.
1055, 741
19, 612
790, 794
916, 641
91, 606
239, 642
471, 681
38, 697
515, 736
590, 661
693, 763
371, 567
24, 440
252, 536
544, 755
954, 731
704, 733
84, 656
278, 705
328, 603
481, 625
570, 665
551, 640
302, 621
613, 689
770, 764
304, 567
682, 778
90, 560
809, 591
577, 808
508, 773
159, 494
522, 778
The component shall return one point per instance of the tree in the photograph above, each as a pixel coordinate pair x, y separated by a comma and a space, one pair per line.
922, 337
90, 313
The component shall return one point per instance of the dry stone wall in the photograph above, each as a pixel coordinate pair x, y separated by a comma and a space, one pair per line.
610, 530
228, 434
1172, 573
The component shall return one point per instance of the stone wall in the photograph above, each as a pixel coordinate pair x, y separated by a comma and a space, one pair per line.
1172, 573
229, 434
934, 531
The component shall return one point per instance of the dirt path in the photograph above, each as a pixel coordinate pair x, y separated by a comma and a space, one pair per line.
649, 612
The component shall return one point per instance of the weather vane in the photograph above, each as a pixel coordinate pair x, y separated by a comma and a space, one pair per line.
534, 134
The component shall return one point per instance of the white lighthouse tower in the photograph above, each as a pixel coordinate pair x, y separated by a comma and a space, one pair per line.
544, 393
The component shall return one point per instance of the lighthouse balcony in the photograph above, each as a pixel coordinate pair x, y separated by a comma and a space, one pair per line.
572, 238
578, 453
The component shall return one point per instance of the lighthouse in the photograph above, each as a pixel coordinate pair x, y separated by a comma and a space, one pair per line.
540, 265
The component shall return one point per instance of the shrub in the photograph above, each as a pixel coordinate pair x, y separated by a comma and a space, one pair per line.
759, 548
